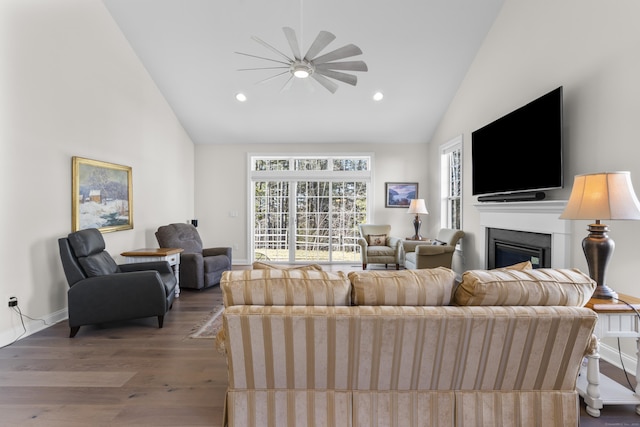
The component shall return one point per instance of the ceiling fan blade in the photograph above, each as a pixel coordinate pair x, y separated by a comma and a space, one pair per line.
268, 46
343, 77
343, 52
321, 41
287, 84
262, 57
346, 65
328, 84
271, 78
262, 68
290, 34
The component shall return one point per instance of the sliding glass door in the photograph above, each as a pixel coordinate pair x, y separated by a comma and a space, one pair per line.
309, 220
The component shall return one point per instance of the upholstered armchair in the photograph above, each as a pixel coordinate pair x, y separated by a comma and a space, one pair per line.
377, 246
434, 253
199, 267
102, 291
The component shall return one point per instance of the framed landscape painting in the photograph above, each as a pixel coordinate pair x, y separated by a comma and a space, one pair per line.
101, 196
399, 194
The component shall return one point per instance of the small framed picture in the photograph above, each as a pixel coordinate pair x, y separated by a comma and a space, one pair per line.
101, 196
399, 194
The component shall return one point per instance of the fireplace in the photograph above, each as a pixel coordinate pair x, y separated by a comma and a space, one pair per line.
508, 247
539, 217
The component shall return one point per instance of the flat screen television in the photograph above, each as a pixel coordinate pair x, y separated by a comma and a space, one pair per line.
519, 155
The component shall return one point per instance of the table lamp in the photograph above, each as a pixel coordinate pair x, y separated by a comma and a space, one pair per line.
417, 207
606, 195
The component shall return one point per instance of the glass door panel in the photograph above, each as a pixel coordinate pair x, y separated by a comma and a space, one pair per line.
271, 221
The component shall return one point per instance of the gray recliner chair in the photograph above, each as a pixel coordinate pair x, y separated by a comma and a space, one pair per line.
102, 291
438, 253
199, 267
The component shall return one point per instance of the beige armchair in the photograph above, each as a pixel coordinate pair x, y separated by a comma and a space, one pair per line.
432, 254
377, 246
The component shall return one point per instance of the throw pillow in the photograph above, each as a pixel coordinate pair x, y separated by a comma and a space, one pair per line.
377, 239
509, 287
526, 265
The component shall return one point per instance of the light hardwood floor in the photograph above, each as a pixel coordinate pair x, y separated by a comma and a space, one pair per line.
134, 374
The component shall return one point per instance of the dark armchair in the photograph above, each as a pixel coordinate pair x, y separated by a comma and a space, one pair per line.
102, 291
199, 267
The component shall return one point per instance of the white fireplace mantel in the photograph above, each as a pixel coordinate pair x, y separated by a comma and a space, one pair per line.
537, 217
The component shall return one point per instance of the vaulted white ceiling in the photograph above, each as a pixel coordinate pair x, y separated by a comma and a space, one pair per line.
417, 52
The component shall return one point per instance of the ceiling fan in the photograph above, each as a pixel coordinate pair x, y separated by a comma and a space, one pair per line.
320, 68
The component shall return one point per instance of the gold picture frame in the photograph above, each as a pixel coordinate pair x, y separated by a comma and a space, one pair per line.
102, 196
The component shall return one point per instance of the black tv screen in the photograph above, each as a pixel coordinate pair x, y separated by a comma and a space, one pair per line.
521, 151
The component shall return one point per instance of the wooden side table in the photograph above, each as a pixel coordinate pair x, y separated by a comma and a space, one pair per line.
171, 255
615, 319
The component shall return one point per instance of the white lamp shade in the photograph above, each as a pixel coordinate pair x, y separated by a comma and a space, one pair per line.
417, 206
606, 195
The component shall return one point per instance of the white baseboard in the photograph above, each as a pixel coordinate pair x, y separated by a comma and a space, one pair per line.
31, 326
611, 355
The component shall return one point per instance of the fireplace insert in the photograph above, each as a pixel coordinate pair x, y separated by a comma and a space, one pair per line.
508, 247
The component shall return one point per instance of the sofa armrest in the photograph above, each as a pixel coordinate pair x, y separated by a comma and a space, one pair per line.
217, 251
363, 243
431, 249
159, 266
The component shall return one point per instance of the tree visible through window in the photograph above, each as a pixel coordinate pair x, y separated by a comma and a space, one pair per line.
451, 184
308, 208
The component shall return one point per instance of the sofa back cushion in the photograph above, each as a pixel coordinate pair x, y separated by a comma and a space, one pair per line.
285, 287
424, 287
542, 286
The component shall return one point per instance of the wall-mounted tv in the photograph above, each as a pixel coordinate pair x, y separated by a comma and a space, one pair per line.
519, 155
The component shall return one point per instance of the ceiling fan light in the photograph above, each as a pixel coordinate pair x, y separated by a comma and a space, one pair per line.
301, 71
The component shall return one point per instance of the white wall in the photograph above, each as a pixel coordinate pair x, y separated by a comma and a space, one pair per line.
72, 86
590, 48
222, 186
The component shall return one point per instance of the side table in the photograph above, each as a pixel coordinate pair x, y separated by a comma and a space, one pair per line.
615, 319
171, 255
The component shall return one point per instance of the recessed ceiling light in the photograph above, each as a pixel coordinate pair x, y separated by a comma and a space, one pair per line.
241, 97
378, 96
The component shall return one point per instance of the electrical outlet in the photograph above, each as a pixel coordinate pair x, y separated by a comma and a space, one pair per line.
13, 301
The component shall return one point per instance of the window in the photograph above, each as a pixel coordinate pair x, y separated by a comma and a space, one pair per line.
307, 208
451, 184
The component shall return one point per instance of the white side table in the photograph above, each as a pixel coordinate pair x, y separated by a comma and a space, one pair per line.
615, 319
171, 255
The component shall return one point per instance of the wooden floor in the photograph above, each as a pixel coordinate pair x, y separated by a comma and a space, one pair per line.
134, 374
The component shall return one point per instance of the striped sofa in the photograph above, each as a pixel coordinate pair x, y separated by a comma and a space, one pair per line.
405, 348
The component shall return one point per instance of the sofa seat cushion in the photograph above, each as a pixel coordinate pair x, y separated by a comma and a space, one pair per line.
542, 286
425, 287
382, 251
285, 287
